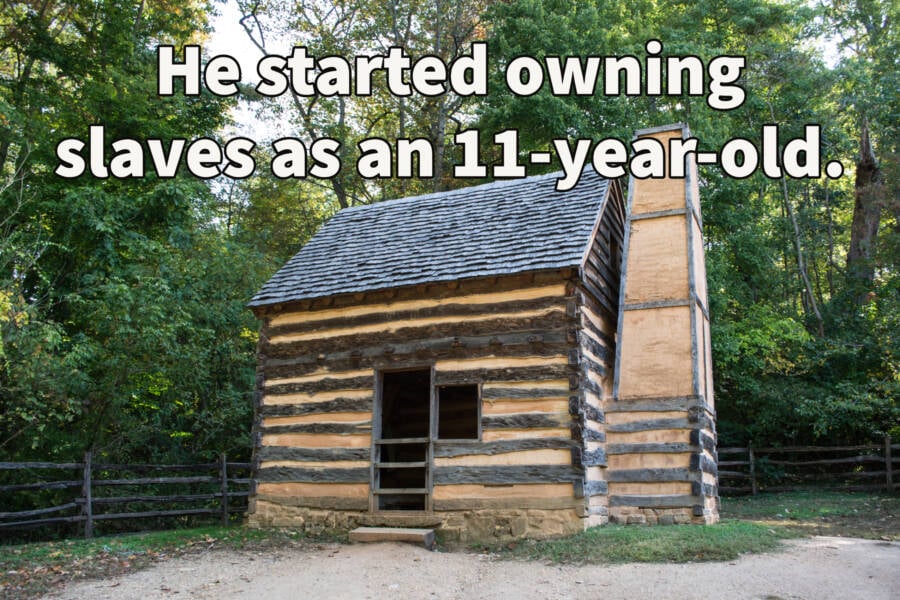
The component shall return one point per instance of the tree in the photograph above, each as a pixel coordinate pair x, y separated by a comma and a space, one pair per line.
124, 327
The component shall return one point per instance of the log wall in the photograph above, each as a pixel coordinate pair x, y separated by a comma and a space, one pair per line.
316, 394
660, 429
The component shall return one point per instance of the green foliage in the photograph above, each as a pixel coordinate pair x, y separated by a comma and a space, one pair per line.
124, 327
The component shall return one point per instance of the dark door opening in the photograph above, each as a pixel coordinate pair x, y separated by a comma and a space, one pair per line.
402, 441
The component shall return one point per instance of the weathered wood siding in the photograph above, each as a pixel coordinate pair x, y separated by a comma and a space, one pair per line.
513, 335
598, 308
660, 429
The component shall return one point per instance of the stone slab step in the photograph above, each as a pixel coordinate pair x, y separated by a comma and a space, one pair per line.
393, 534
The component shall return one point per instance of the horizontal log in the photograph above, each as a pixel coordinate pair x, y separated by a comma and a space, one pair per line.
152, 467
657, 404
548, 372
489, 326
583, 432
506, 474
157, 499
594, 458
322, 385
592, 413
648, 475
386, 355
650, 448
704, 464
734, 463
704, 439
153, 480
734, 475
301, 475
39, 465
39, 522
828, 461
272, 453
523, 284
650, 425
323, 502
795, 449
451, 449
449, 311
37, 512
349, 428
521, 421
592, 488
455, 504
158, 513
44, 485
662, 501
698, 488
514, 393
309, 408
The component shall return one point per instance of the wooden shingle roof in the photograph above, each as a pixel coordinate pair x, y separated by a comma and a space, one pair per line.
500, 228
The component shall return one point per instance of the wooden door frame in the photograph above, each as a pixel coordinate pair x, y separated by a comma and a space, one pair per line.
375, 451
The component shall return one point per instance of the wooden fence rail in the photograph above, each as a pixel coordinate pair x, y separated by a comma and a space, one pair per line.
861, 467
216, 492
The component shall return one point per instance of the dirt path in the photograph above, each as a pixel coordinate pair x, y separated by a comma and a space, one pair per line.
820, 567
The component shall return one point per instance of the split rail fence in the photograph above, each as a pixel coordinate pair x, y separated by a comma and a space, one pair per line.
855, 468
116, 492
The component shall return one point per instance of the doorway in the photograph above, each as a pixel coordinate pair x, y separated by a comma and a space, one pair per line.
401, 466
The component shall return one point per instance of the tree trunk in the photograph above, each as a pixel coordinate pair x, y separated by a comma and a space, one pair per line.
869, 197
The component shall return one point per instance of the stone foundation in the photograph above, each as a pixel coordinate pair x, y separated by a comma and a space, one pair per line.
483, 525
632, 515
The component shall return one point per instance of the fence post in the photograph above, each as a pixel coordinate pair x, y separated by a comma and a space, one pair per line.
888, 463
87, 510
223, 474
753, 487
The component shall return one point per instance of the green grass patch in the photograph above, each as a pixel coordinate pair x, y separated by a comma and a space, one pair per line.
851, 514
676, 543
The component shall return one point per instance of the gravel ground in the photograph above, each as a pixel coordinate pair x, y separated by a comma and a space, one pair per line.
821, 567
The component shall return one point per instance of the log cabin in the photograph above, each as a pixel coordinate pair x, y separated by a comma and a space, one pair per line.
498, 361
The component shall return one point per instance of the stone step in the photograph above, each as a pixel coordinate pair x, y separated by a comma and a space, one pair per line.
393, 534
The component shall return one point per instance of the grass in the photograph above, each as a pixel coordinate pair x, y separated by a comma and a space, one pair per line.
629, 543
849, 514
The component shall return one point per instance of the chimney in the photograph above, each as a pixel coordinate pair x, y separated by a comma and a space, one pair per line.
661, 432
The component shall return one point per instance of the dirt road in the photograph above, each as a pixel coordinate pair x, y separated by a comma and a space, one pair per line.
819, 567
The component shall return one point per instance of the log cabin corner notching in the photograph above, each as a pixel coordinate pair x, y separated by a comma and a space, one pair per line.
478, 361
